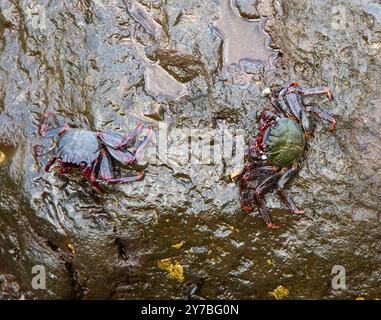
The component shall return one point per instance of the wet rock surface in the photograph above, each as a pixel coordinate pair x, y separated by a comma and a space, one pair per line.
98, 65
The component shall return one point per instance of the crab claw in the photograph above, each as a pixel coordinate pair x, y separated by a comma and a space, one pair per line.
298, 211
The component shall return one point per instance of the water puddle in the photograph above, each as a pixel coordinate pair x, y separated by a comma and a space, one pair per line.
243, 39
137, 12
158, 82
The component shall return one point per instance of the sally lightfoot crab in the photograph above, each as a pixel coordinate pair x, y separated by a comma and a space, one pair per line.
275, 156
91, 152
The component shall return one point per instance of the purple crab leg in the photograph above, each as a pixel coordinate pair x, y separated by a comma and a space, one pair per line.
266, 184
325, 115
286, 177
110, 139
141, 145
126, 157
294, 104
276, 105
137, 176
130, 138
264, 211
311, 91
250, 197
105, 167
261, 189
92, 171
289, 202
46, 132
116, 141
245, 202
281, 103
286, 198
105, 170
50, 163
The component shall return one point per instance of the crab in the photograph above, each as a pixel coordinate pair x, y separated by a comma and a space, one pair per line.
91, 152
276, 155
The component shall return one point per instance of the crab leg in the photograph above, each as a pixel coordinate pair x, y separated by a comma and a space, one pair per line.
116, 141
266, 184
245, 202
294, 104
45, 132
286, 177
92, 172
248, 166
110, 139
142, 144
276, 105
311, 91
264, 211
261, 189
130, 138
50, 163
281, 103
105, 170
286, 198
325, 115
126, 157
137, 176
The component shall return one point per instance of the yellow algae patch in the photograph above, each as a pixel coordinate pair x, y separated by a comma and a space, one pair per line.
279, 293
71, 248
2, 157
360, 298
178, 245
175, 271
232, 228
271, 262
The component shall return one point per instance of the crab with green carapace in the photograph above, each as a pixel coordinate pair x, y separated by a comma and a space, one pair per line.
275, 156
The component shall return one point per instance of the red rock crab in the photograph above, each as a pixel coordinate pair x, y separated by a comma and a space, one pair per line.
275, 156
91, 152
